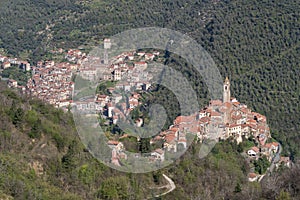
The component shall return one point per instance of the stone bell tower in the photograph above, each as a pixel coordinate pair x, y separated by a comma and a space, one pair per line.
226, 90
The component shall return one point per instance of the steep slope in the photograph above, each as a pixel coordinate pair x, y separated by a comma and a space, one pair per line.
255, 43
41, 156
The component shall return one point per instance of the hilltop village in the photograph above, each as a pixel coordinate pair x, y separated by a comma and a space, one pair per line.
220, 120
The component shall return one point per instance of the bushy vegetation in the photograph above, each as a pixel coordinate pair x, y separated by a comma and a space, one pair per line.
261, 165
17, 74
42, 157
255, 43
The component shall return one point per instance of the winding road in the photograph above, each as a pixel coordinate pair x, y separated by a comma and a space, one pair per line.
275, 159
171, 186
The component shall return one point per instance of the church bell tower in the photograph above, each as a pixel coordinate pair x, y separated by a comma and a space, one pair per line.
226, 90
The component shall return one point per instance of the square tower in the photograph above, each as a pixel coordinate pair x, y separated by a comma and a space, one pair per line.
226, 91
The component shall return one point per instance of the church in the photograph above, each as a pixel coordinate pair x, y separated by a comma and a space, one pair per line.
228, 118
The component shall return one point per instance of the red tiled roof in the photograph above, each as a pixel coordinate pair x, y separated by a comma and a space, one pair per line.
236, 117
140, 63
255, 149
245, 110
275, 144
112, 142
234, 125
252, 175
284, 159
174, 129
215, 102
252, 121
215, 114
204, 120
181, 119
159, 151
170, 137
236, 103
182, 140
227, 105
268, 145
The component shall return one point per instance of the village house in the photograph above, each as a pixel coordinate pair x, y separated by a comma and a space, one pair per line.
158, 154
285, 161
149, 56
141, 54
110, 108
202, 113
12, 83
64, 103
6, 65
115, 145
89, 73
52, 84
107, 43
102, 98
14, 61
140, 66
3, 58
170, 142
130, 56
107, 76
117, 74
252, 177
269, 149
25, 66
253, 152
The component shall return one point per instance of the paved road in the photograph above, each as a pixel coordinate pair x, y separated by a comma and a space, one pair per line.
275, 159
171, 185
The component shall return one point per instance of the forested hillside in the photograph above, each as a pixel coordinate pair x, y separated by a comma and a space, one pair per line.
254, 42
41, 157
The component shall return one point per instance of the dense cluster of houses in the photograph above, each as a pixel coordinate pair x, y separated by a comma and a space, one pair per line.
128, 71
233, 119
117, 152
175, 138
52, 83
75, 56
220, 120
8, 62
283, 161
